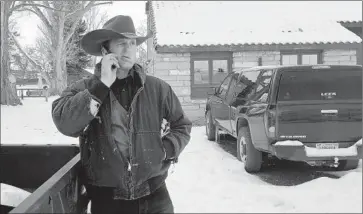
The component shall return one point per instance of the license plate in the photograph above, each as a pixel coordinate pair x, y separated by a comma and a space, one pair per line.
327, 146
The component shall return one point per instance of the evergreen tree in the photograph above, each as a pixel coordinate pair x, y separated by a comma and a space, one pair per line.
77, 59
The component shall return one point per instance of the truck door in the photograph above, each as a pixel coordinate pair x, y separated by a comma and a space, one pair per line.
221, 107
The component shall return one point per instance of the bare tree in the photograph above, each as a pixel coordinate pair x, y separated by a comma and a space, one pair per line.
141, 29
54, 15
95, 18
8, 92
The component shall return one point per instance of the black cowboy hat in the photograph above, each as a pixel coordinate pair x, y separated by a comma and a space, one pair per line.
117, 27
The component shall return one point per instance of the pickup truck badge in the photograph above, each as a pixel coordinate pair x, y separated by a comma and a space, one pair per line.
328, 95
293, 136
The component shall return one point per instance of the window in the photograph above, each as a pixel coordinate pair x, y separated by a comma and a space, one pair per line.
232, 88
309, 59
289, 59
201, 72
320, 85
301, 57
220, 71
252, 85
224, 87
208, 70
263, 87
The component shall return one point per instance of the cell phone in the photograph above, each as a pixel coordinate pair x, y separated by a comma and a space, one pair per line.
104, 52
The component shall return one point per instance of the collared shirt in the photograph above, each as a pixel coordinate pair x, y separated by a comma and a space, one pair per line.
125, 89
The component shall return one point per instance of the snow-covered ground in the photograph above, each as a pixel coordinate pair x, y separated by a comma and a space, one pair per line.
207, 178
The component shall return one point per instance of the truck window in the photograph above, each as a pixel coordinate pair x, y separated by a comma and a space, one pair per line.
246, 84
224, 86
232, 88
254, 85
263, 85
320, 85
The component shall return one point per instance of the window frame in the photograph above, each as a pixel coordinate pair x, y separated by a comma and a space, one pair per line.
198, 89
228, 86
300, 53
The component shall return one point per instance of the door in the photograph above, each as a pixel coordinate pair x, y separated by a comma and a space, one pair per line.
231, 94
250, 97
240, 95
220, 109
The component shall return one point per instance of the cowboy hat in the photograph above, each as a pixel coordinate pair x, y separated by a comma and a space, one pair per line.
117, 27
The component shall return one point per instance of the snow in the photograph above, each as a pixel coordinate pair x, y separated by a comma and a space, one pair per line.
12, 196
206, 178
238, 22
31, 123
289, 143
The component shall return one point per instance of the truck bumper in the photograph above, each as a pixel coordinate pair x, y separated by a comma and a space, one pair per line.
297, 151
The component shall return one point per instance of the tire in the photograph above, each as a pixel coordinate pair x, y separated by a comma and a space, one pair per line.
247, 153
210, 127
347, 165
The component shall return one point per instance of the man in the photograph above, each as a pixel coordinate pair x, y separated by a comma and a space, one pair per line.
117, 115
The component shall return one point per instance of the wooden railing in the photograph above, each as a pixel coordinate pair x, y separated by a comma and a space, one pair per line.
59, 194
40, 92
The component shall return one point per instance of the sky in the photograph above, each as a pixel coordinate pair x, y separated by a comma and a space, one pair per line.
27, 24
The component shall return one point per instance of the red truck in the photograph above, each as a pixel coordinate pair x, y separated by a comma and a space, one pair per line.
310, 113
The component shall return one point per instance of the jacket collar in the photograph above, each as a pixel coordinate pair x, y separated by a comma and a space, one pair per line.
137, 69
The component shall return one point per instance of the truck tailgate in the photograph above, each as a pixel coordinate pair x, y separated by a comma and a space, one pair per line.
322, 122
320, 104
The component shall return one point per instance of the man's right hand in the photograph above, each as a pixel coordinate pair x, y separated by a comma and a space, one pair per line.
108, 75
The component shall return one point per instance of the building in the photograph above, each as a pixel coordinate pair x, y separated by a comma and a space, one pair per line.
196, 43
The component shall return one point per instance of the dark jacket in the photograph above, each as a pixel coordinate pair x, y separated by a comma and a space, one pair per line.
102, 164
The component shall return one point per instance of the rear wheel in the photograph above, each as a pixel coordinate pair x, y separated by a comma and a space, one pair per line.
210, 127
347, 165
247, 153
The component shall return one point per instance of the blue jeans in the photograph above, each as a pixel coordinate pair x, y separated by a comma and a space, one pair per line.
157, 202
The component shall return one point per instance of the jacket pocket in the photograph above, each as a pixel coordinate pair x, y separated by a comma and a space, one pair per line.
150, 154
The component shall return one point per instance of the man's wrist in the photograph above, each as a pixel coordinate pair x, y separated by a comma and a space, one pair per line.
169, 150
98, 90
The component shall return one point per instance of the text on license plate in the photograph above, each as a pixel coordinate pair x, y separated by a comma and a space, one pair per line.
327, 145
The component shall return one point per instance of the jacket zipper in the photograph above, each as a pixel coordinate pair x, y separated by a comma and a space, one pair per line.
129, 168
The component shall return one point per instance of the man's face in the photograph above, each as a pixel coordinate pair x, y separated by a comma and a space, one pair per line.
125, 49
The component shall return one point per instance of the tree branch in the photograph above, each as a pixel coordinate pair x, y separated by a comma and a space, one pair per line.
23, 52
36, 65
71, 32
82, 11
46, 3
41, 15
36, 5
79, 17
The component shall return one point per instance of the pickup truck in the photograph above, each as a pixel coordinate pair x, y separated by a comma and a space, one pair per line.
49, 173
310, 113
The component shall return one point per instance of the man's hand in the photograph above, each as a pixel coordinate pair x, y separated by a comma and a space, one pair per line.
165, 128
108, 74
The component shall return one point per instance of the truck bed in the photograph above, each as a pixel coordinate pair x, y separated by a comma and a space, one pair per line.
49, 172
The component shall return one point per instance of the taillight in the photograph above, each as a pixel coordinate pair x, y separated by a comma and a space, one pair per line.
270, 121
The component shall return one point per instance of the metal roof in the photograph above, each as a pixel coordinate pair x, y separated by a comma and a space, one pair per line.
210, 23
